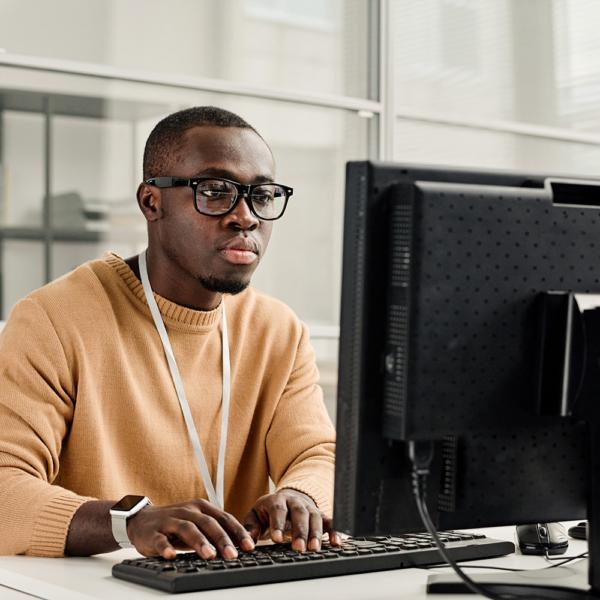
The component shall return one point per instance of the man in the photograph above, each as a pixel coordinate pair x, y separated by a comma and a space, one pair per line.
147, 379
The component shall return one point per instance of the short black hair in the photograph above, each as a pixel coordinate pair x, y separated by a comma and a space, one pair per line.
165, 136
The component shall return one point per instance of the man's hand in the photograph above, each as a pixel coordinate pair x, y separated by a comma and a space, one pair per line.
197, 525
289, 509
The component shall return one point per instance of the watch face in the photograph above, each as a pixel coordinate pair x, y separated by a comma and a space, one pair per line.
126, 503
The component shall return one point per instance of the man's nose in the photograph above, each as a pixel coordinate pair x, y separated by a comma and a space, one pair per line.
241, 217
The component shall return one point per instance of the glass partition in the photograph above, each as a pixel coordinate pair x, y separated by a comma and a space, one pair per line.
531, 68
22, 168
316, 46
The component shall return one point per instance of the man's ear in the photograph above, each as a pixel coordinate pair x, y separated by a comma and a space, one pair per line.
150, 201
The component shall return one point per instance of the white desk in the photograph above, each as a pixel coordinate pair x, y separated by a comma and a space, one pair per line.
23, 577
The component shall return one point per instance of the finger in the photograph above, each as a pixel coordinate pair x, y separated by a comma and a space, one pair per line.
211, 528
315, 530
236, 531
299, 517
253, 525
162, 547
334, 537
188, 533
278, 511
201, 516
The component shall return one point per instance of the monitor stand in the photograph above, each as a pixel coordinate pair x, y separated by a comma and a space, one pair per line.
569, 582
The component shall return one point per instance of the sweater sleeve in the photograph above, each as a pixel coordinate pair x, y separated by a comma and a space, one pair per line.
301, 439
36, 409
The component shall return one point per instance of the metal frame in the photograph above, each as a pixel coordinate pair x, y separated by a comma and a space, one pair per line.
201, 84
500, 126
46, 209
386, 88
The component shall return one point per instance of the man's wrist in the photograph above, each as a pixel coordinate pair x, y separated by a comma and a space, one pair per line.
124, 509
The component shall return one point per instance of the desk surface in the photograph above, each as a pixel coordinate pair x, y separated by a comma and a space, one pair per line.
23, 577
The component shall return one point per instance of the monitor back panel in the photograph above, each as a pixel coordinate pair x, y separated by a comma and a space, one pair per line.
456, 269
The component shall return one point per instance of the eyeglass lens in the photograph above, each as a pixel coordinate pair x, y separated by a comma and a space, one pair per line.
215, 196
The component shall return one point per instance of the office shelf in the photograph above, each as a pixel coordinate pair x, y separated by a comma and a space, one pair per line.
58, 234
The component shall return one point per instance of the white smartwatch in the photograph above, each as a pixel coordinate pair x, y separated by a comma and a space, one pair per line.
126, 507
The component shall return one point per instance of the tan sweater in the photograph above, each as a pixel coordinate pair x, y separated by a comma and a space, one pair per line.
88, 409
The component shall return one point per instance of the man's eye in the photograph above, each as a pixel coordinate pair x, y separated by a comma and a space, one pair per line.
262, 198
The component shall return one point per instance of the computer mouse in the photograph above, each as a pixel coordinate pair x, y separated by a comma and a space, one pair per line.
579, 531
539, 538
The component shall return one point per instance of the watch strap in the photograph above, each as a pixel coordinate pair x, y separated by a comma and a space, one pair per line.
119, 531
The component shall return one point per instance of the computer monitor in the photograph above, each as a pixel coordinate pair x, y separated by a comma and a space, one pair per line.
459, 327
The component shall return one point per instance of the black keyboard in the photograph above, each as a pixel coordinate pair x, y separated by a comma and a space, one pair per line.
277, 562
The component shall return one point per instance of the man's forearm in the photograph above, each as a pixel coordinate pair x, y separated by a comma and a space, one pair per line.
90, 531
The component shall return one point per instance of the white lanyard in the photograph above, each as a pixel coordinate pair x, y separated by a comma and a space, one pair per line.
217, 497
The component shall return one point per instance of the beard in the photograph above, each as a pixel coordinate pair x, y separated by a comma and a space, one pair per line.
224, 286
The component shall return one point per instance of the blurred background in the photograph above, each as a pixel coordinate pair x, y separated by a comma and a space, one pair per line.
481, 83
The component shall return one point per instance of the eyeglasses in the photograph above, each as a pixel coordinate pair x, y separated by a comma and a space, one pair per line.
215, 197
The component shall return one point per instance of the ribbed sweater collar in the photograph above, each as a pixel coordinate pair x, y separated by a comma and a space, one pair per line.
171, 312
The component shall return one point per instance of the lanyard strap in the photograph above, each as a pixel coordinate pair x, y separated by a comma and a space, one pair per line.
216, 497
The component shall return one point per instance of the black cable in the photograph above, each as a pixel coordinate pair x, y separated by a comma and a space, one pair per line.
563, 559
464, 566
419, 478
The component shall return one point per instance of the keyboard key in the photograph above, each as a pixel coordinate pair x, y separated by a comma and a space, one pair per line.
364, 544
232, 564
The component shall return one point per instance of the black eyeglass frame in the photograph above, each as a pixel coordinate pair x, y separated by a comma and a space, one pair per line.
242, 191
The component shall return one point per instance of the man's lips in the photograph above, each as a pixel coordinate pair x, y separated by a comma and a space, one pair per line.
240, 251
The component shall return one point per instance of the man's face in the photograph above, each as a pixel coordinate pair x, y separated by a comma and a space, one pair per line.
219, 252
